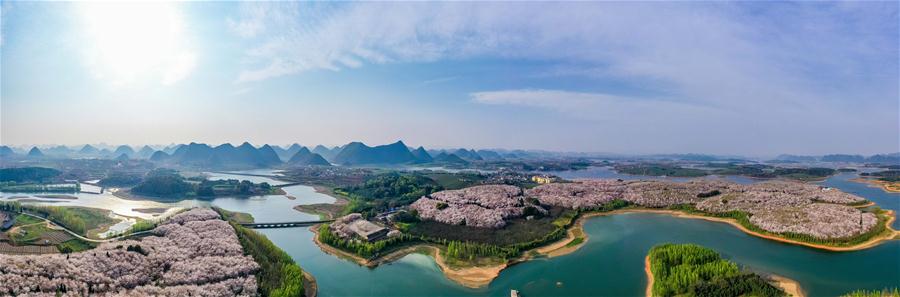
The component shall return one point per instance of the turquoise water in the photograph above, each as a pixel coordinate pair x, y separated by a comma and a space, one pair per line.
875, 194
607, 172
610, 264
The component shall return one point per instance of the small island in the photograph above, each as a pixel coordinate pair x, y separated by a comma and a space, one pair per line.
169, 184
693, 270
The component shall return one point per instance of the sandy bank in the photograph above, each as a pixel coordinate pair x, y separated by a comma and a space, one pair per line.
890, 187
150, 210
324, 210
872, 242
791, 287
472, 277
310, 286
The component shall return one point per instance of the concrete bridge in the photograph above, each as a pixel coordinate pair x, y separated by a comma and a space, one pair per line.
284, 224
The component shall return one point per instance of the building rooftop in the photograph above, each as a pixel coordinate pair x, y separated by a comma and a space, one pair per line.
365, 228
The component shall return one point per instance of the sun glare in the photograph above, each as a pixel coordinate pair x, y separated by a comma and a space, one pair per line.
136, 41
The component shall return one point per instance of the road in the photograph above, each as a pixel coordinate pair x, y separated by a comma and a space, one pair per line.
111, 239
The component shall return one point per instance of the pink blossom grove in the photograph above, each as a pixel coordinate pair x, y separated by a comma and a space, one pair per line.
775, 206
193, 253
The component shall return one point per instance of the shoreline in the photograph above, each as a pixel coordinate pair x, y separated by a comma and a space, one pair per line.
872, 242
649, 291
470, 277
883, 185
789, 286
479, 276
310, 286
324, 210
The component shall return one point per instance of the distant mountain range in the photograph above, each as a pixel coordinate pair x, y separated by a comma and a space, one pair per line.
124, 150
893, 158
421, 155
222, 156
35, 153
445, 158
6, 151
327, 153
303, 157
357, 153
286, 154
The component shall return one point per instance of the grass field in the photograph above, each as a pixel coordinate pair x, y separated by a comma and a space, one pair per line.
452, 181
237, 217
22, 220
74, 245
516, 231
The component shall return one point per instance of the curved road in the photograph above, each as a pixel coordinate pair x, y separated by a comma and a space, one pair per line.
114, 238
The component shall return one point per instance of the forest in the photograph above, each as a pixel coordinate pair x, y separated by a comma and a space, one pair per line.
887, 175
660, 170
28, 174
361, 248
386, 191
163, 183
168, 183
463, 242
693, 270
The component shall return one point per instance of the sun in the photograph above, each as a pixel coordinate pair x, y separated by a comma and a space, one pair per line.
130, 42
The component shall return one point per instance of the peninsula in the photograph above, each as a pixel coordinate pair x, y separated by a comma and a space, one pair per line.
474, 233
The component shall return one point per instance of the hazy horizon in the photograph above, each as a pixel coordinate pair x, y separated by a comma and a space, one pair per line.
159, 146
749, 79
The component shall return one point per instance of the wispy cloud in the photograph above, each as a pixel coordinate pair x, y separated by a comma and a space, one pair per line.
594, 106
704, 51
440, 80
777, 68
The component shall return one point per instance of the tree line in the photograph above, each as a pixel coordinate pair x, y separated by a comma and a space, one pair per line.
279, 275
693, 270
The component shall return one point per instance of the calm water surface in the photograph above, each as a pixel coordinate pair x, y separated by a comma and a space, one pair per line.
610, 264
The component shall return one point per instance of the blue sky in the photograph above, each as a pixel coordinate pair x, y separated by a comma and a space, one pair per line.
752, 78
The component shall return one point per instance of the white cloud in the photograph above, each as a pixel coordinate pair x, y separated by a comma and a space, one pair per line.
595, 106
707, 52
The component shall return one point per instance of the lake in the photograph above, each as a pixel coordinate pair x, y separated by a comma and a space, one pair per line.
610, 263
